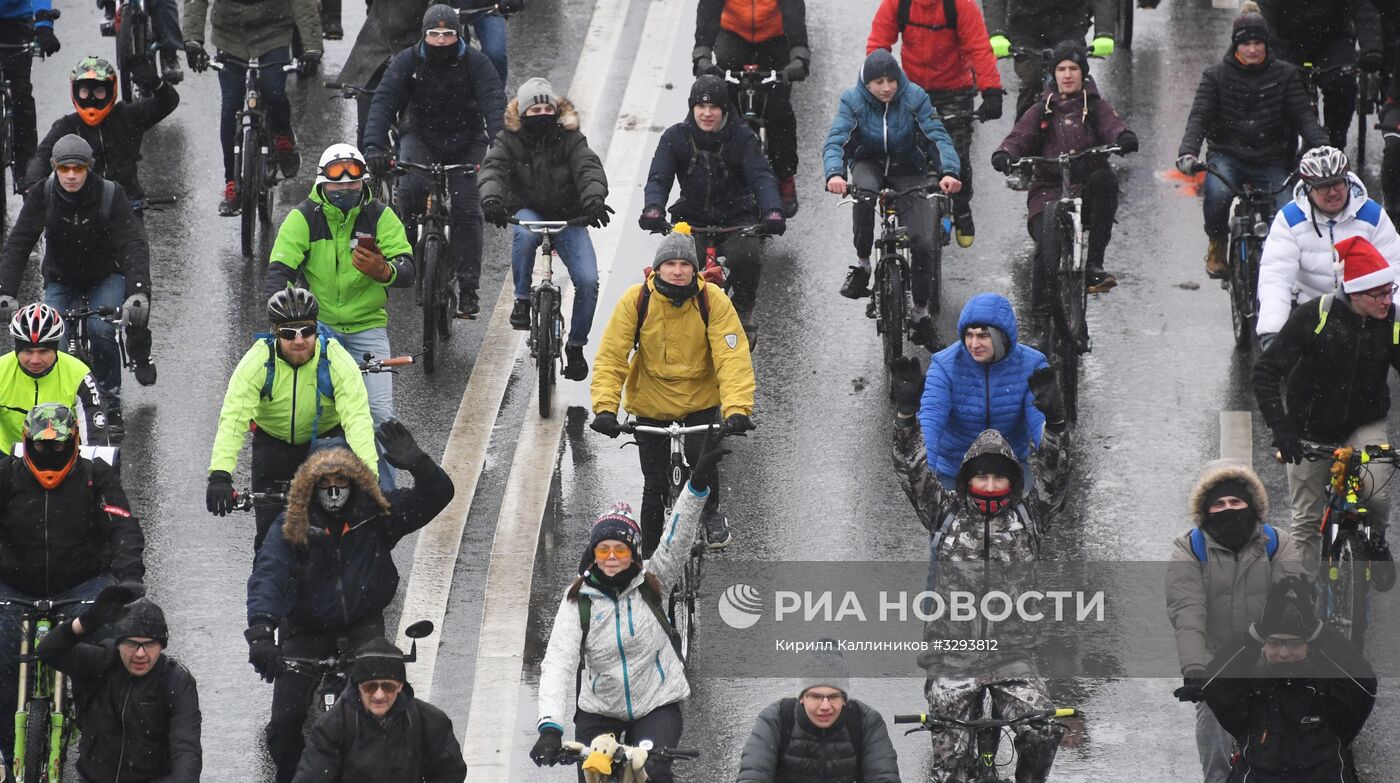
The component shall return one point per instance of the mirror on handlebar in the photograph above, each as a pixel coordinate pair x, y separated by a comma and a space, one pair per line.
419, 629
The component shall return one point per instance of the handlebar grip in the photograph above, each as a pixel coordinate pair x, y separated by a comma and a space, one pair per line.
1066, 712
911, 718
683, 754
397, 361
159, 200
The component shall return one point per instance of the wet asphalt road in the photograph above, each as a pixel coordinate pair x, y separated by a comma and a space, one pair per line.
815, 481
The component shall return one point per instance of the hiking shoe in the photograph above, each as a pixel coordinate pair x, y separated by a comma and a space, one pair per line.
467, 305
1382, 565
1216, 266
717, 535
922, 332
857, 285
576, 369
145, 373
170, 67
520, 315
1099, 281
288, 158
963, 229
116, 426
787, 191
331, 30
228, 205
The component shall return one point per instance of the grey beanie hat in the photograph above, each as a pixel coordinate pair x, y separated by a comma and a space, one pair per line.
442, 15
534, 92
676, 246
824, 668
72, 149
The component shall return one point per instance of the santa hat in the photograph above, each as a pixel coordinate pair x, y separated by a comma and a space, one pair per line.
1362, 266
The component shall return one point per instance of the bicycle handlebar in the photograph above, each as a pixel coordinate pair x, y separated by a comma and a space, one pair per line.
370, 364
219, 65
103, 311
926, 720
44, 604
632, 427
928, 189
246, 501
1382, 452
549, 226
1068, 157
753, 229
574, 753
447, 168
773, 77
1240, 191
347, 90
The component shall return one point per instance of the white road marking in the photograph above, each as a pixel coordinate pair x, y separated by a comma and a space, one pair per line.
1236, 436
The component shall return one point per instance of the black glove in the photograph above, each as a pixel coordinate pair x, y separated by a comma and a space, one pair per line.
652, 220
1289, 445
738, 424
797, 69
1127, 142
606, 423
702, 60
906, 384
493, 210
706, 467
1193, 686
377, 161
1049, 400
309, 62
1371, 61
47, 41
263, 652
400, 450
144, 74
547, 747
598, 213
110, 605
218, 497
196, 56
1001, 161
774, 224
991, 105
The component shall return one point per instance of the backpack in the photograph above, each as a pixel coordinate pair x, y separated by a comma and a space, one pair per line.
324, 386
950, 17
653, 602
702, 299
1198, 542
855, 728
1324, 306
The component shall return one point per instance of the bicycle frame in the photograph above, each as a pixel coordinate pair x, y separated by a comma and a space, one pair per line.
80, 345
750, 80
716, 268
978, 761
1250, 217
39, 682
432, 251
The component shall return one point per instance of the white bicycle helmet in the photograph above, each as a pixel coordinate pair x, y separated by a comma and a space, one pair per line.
351, 164
1323, 166
37, 325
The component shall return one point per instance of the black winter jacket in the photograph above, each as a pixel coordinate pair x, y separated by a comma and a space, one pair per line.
116, 141
83, 246
816, 755
1336, 379
54, 540
556, 175
1251, 113
414, 743
724, 176
454, 109
133, 729
1303, 21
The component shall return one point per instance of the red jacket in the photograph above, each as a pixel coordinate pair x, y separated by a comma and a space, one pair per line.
938, 59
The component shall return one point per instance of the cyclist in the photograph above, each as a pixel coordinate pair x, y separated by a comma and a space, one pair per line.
287, 409
639, 680
138, 707
42, 372
1327, 34
95, 251
772, 34
1331, 359
19, 29
1329, 205
349, 249
454, 105
1071, 116
981, 382
114, 130
242, 30
945, 50
381, 731
67, 528
890, 150
724, 181
1220, 573
327, 571
541, 168
1037, 26
823, 734
990, 516
1293, 692
673, 350
1251, 107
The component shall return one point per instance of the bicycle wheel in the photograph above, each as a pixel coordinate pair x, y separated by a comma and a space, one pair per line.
250, 186
680, 609
1125, 23
1363, 107
432, 299
1346, 587
1069, 329
546, 311
1244, 260
36, 741
892, 321
126, 51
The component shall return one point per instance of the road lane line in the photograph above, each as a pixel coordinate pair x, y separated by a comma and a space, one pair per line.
1237, 436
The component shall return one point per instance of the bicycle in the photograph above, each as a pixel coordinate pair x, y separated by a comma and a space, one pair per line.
370, 364
978, 762
7, 117
136, 44
624, 764
332, 673
433, 249
381, 187
546, 318
44, 722
1061, 270
79, 344
248, 500
1250, 218
749, 80
1370, 99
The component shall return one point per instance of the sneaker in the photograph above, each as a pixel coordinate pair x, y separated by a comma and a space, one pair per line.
717, 535
116, 426
963, 229
520, 315
857, 285
170, 67
1382, 565
145, 373
787, 191
1100, 281
577, 368
467, 305
229, 205
288, 158
1216, 266
331, 30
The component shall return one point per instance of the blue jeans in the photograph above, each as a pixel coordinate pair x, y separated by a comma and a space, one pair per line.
106, 359
490, 30
10, 635
380, 385
272, 86
1218, 197
576, 251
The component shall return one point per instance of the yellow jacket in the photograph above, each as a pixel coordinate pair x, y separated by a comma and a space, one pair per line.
680, 367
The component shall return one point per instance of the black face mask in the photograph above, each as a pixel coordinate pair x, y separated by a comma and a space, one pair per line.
1292, 669
617, 581
1231, 528
678, 294
538, 125
440, 55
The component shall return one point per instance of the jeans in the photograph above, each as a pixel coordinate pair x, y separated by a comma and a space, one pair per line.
106, 359
662, 726
17, 65
1218, 197
464, 211
1332, 57
915, 214
773, 104
10, 635
165, 23
1214, 744
654, 452
1306, 482
490, 30
272, 86
575, 249
959, 102
379, 385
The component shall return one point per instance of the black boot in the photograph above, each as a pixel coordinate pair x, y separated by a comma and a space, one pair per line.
330, 20
1382, 565
576, 368
857, 285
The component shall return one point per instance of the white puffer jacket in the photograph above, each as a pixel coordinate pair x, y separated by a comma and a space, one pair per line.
630, 667
1297, 264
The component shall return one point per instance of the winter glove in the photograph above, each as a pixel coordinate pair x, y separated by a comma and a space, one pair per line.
598, 213
605, 422
309, 62
1266, 340
702, 60
144, 74
991, 105
705, 469
400, 450
493, 210
137, 310
547, 747
1186, 164
1289, 445
218, 497
652, 220
1001, 46
1127, 142
1048, 398
797, 70
906, 384
774, 224
1001, 161
1101, 47
1372, 61
738, 424
46, 40
1192, 685
377, 161
263, 652
196, 56
8, 306
110, 605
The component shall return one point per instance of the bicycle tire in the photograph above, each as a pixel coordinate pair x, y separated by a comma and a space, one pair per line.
7, 153
36, 741
1243, 276
126, 52
1125, 23
892, 322
1363, 100
1347, 588
1068, 306
249, 184
545, 309
432, 300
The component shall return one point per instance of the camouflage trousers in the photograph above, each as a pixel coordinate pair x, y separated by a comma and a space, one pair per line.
966, 699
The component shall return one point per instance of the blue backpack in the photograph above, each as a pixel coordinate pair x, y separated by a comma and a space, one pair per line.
324, 387
1198, 543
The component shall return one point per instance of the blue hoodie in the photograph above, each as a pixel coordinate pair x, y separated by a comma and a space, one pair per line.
895, 133
25, 9
962, 397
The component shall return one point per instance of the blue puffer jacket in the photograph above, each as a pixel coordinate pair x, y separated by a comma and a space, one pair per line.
962, 398
25, 9
895, 133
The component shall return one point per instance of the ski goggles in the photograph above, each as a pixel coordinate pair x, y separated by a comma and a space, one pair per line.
70, 168
343, 169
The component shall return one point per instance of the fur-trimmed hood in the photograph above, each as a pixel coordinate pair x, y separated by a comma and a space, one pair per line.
564, 111
1221, 470
320, 463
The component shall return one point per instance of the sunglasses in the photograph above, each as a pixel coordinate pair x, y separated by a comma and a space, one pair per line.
388, 687
343, 169
149, 646
70, 168
604, 552
293, 332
